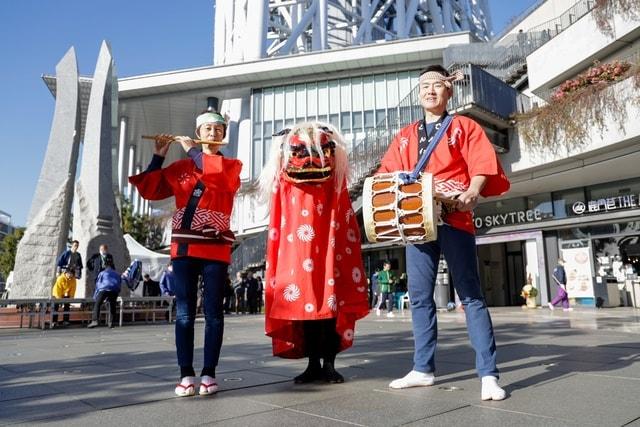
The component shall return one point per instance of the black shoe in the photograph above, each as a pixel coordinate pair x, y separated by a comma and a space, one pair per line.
330, 374
93, 324
311, 374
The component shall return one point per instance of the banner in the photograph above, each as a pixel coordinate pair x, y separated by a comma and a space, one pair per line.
578, 268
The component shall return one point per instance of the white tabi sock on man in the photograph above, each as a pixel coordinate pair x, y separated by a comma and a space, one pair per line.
413, 379
491, 390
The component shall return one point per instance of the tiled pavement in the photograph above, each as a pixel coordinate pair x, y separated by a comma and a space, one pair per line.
579, 368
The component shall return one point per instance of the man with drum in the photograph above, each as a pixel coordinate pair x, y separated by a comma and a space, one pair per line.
464, 166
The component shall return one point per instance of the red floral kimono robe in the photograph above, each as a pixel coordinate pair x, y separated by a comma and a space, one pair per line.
464, 152
314, 265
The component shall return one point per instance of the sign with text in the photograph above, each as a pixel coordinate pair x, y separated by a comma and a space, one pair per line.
509, 218
605, 204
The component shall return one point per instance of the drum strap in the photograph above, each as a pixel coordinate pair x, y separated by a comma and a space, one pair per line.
444, 122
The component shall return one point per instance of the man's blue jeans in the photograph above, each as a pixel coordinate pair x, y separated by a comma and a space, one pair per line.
214, 273
459, 249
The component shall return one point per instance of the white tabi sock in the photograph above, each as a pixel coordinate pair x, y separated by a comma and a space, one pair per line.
491, 390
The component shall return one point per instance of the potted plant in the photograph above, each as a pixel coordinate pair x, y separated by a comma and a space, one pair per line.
529, 293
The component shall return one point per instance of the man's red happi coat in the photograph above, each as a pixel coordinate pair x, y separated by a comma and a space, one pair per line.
314, 265
464, 152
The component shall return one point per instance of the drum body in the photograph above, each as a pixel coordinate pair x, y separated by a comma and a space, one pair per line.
400, 213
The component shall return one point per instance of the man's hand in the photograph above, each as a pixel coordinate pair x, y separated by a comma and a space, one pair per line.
468, 200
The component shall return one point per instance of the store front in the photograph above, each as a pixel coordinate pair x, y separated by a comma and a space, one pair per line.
595, 229
507, 263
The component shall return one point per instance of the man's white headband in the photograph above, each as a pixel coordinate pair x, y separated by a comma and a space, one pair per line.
434, 75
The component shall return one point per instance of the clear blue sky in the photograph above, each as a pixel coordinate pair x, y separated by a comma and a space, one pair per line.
145, 36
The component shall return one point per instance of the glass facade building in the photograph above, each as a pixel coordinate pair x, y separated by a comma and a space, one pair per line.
353, 105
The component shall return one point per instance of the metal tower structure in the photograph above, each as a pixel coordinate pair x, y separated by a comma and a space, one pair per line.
251, 29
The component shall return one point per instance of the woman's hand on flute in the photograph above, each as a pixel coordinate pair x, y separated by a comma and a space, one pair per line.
186, 142
162, 144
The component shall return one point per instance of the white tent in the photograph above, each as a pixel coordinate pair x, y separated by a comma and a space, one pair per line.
153, 263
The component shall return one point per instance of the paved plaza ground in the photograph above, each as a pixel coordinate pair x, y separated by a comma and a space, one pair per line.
579, 368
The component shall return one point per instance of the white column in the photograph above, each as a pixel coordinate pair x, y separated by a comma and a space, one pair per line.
137, 205
256, 30
323, 13
132, 159
400, 19
122, 144
436, 16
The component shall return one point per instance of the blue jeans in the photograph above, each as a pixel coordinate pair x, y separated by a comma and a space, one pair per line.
214, 274
459, 249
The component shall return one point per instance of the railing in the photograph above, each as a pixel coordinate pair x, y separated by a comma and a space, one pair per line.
478, 88
249, 253
506, 58
41, 309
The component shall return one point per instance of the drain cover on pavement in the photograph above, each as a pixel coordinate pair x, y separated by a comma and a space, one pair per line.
452, 388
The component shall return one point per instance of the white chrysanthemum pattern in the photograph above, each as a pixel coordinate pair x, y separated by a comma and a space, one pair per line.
305, 233
309, 307
290, 238
304, 212
356, 274
351, 235
332, 242
320, 208
291, 292
332, 303
274, 234
348, 334
331, 282
307, 265
347, 251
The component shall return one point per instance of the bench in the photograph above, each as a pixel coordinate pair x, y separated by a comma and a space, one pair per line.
40, 311
85, 309
32, 308
146, 305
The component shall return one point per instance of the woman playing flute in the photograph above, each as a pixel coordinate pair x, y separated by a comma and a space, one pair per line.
204, 186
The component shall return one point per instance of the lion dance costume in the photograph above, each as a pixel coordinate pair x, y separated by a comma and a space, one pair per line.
315, 284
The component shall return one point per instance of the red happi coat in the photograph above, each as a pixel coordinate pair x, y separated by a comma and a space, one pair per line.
221, 177
464, 152
314, 265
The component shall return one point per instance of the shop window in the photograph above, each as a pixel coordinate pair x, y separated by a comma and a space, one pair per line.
614, 189
541, 203
564, 202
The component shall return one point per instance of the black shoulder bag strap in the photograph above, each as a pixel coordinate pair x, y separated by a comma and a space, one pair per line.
189, 212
